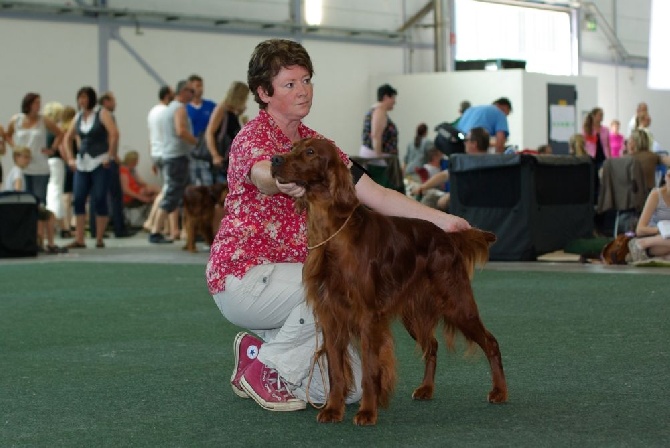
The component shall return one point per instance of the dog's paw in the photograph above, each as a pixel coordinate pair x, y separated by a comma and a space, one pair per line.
497, 395
423, 392
328, 415
365, 418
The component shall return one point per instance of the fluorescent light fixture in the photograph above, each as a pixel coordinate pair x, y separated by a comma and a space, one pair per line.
313, 12
658, 73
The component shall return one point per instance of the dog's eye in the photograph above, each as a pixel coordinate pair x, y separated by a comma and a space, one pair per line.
310, 151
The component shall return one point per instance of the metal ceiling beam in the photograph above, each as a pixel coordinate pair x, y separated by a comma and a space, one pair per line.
566, 7
416, 18
622, 54
133, 17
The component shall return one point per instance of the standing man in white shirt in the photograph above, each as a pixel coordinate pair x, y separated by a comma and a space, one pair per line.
165, 96
177, 139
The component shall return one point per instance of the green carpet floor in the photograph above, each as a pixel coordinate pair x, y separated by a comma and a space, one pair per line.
118, 355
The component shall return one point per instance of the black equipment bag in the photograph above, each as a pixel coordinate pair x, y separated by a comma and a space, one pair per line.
449, 140
18, 224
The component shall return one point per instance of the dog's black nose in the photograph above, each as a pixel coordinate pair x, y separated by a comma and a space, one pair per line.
277, 160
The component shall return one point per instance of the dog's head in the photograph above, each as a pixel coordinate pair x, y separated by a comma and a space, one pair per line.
315, 164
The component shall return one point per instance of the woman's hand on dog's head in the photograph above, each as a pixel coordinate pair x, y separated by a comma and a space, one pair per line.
292, 189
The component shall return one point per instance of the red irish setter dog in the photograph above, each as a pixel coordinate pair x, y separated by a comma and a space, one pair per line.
364, 269
203, 210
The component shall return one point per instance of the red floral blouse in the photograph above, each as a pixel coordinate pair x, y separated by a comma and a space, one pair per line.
257, 229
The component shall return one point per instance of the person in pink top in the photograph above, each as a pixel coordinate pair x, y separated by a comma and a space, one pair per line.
596, 136
597, 144
254, 271
616, 139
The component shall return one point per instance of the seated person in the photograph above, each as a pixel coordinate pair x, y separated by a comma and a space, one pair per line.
434, 164
136, 192
476, 142
46, 221
649, 241
638, 148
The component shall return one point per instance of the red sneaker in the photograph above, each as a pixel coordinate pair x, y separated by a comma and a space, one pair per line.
266, 387
246, 349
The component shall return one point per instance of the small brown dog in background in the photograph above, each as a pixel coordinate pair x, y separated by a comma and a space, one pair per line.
203, 210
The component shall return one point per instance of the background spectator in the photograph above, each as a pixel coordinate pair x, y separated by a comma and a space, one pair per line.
223, 126
199, 112
616, 140
380, 134
491, 117
29, 129
417, 151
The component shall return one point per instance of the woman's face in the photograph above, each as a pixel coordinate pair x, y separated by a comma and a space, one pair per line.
598, 116
293, 91
35, 106
389, 101
82, 101
470, 145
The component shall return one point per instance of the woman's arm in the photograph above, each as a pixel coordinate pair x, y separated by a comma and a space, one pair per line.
3, 148
436, 180
9, 134
392, 203
261, 176
377, 125
112, 132
215, 121
68, 154
643, 227
18, 184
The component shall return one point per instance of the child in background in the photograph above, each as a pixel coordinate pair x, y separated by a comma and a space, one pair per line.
577, 145
616, 139
46, 221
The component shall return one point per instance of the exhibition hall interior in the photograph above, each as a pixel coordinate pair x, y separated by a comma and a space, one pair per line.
146, 213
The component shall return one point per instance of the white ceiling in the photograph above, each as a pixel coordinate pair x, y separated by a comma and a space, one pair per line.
622, 25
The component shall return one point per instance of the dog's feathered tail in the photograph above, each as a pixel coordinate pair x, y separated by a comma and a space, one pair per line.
473, 245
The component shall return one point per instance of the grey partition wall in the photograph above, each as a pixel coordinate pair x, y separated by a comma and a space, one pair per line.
534, 204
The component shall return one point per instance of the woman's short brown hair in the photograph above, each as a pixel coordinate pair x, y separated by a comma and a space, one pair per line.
28, 100
268, 58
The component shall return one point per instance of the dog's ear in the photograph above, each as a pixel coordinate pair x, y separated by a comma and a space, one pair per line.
341, 185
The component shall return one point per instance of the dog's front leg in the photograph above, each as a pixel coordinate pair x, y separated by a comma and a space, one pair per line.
335, 343
378, 370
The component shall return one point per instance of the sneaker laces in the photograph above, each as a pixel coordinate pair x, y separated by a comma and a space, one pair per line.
279, 385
